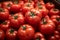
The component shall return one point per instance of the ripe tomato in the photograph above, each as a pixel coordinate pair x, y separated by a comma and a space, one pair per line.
11, 34
57, 37
42, 9
33, 16
16, 20
58, 27
56, 33
4, 14
46, 25
0, 5
54, 12
7, 5
5, 25
2, 35
56, 19
25, 32
26, 7
39, 36
49, 5
52, 38
15, 8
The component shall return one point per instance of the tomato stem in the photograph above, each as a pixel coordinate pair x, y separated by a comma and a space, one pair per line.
24, 27
44, 21
28, 5
32, 14
55, 9
15, 17
38, 38
4, 23
11, 30
9, 5
1, 10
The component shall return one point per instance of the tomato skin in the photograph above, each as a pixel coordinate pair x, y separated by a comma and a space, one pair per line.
53, 12
7, 5
46, 24
49, 5
2, 35
42, 9
39, 35
56, 19
11, 34
26, 7
0, 5
16, 20
15, 8
52, 38
58, 28
26, 32
4, 14
5, 25
33, 17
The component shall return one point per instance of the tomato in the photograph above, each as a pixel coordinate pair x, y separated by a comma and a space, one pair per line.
47, 26
54, 12
16, 20
26, 32
15, 8
56, 33
42, 9
2, 35
39, 3
7, 5
21, 3
33, 16
49, 5
57, 37
0, 5
56, 19
26, 7
5, 25
58, 27
52, 38
4, 14
39, 36
11, 34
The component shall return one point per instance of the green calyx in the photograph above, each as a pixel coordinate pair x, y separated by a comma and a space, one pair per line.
1, 10
38, 38
11, 30
44, 21
9, 5
4, 23
32, 14
24, 27
15, 17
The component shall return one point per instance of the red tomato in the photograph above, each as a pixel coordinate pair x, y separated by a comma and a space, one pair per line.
16, 20
15, 8
7, 5
52, 38
0, 5
26, 32
5, 25
57, 37
39, 36
26, 7
37, 1
42, 9
11, 34
49, 5
21, 3
4, 14
46, 25
56, 19
33, 16
2, 35
58, 27
54, 12
56, 33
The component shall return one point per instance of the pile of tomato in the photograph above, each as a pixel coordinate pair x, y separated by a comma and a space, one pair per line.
29, 20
